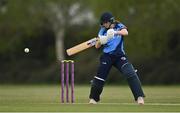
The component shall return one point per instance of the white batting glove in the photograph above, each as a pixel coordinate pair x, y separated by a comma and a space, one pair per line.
111, 33
103, 39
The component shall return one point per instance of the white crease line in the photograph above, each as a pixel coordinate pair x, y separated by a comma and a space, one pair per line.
156, 104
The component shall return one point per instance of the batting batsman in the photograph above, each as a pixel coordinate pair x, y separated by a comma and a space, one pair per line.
111, 37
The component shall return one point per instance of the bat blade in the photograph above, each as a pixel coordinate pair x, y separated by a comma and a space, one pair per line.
80, 47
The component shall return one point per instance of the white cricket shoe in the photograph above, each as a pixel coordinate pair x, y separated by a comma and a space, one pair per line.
140, 100
92, 101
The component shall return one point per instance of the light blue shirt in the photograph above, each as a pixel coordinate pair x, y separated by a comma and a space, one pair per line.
115, 44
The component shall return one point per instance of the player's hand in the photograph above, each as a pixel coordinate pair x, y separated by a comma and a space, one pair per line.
110, 33
98, 43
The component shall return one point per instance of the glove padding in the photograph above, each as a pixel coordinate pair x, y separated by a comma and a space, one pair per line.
111, 33
103, 39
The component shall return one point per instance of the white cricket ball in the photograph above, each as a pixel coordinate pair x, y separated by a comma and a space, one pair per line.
26, 50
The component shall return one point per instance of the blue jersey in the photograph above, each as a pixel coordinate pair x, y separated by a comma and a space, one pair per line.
114, 45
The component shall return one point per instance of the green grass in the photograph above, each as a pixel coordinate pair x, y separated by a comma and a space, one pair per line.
114, 99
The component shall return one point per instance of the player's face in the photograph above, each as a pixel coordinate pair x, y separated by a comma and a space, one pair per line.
106, 24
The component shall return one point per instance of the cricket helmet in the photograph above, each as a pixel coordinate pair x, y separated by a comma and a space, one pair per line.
106, 17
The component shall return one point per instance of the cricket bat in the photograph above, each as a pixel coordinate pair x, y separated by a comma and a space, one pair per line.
80, 47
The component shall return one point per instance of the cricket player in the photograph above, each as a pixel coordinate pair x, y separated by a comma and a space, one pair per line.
111, 37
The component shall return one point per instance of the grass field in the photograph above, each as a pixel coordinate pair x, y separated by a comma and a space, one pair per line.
46, 98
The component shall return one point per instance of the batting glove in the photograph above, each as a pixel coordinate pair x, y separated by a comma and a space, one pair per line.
103, 39
111, 33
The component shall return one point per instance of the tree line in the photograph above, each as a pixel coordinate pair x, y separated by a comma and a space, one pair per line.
48, 28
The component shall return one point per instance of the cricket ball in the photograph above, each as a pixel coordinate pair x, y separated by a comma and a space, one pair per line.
26, 50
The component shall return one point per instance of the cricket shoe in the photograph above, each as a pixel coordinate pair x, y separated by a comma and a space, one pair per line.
92, 101
140, 100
